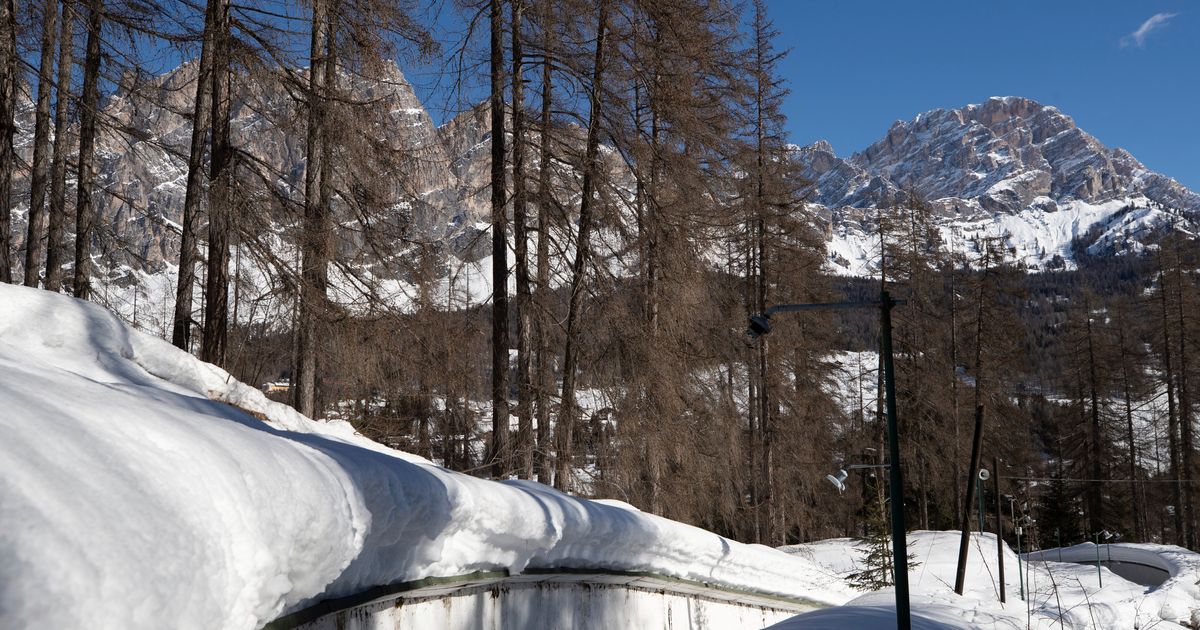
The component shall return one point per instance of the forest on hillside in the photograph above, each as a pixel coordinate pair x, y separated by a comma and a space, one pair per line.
638, 202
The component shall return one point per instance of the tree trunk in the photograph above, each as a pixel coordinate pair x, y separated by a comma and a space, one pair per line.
1139, 531
521, 236
1095, 501
9, 73
41, 146
1172, 426
567, 411
544, 376
954, 398
1186, 430
753, 388
651, 397
85, 176
315, 244
58, 162
181, 332
216, 293
500, 455
765, 415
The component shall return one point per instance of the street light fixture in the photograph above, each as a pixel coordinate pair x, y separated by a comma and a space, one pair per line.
760, 324
838, 479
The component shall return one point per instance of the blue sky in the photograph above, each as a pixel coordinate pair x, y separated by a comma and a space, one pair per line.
858, 65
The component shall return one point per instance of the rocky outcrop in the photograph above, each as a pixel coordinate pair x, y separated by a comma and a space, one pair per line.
1006, 167
142, 156
1008, 153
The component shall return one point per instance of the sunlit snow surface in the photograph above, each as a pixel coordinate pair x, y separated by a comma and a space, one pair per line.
1058, 594
1034, 237
135, 495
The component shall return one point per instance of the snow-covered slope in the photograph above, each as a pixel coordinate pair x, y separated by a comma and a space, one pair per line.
142, 488
1057, 594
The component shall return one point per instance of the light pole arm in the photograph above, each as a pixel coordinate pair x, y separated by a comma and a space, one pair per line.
827, 306
760, 324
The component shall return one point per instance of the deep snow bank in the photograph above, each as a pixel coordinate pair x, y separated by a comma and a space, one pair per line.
132, 496
1057, 594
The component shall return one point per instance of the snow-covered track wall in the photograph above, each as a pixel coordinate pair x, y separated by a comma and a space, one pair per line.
581, 600
143, 488
1149, 565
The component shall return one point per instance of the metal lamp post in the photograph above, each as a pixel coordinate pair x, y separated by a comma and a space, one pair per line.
1012, 510
760, 324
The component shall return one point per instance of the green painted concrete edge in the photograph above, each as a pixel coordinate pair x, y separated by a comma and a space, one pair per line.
330, 606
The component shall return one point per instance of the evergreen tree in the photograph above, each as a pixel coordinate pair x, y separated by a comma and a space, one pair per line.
875, 545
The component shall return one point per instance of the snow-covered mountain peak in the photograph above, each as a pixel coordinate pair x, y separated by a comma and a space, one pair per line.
985, 167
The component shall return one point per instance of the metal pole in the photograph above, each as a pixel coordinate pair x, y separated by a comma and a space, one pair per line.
999, 530
761, 324
1020, 570
899, 534
1012, 510
960, 576
1099, 573
979, 491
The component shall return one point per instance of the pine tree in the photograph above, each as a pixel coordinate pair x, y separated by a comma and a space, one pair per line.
875, 545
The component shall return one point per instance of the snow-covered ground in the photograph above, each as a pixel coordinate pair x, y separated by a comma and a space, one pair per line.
1034, 237
1058, 594
142, 488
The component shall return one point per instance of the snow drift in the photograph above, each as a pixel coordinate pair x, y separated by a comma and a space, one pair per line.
143, 488
1056, 594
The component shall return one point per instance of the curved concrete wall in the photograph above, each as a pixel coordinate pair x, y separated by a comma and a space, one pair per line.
1132, 563
584, 601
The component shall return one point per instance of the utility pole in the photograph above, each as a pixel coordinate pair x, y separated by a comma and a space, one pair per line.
899, 535
1012, 510
760, 324
999, 530
960, 576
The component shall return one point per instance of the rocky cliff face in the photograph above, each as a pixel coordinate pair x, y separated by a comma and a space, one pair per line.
1008, 152
142, 156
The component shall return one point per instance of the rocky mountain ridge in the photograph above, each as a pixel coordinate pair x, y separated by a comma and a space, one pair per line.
142, 155
1007, 166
